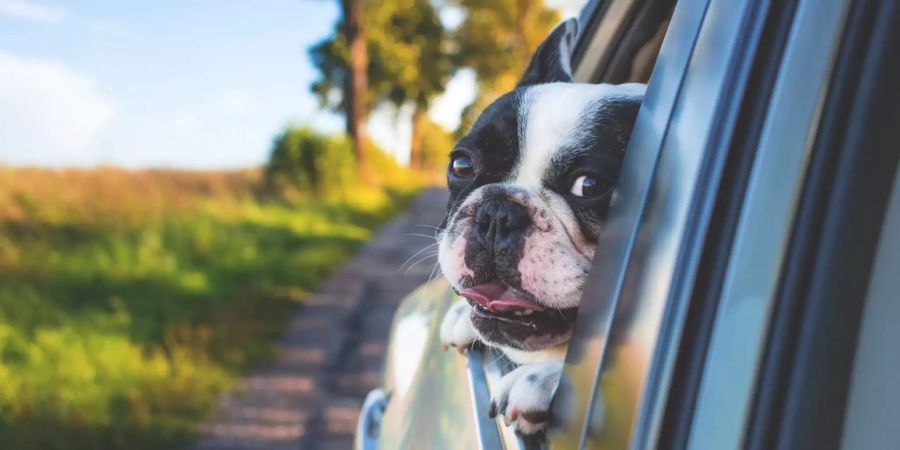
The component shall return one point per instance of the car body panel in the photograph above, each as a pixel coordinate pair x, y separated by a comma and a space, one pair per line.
429, 405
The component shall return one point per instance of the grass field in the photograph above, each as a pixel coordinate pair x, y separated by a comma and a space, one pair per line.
130, 300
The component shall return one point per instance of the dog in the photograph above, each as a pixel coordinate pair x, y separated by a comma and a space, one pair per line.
530, 184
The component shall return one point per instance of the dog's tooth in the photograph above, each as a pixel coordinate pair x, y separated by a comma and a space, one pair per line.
528, 312
518, 313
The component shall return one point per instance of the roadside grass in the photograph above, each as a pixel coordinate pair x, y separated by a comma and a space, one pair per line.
130, 300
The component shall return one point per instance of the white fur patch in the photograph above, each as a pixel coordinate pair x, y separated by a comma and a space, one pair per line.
548, 119
452, 257
527, 389
456, 328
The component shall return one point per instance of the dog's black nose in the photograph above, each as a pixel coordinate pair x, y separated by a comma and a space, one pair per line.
499, 223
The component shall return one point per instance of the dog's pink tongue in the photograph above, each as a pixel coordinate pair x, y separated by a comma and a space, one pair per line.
497, 296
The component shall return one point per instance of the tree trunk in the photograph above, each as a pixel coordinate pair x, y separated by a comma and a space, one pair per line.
415, 146
356, 88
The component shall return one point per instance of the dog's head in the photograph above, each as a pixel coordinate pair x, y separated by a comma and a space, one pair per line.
530, 184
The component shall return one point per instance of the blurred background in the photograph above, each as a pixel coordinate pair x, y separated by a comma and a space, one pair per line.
178, 177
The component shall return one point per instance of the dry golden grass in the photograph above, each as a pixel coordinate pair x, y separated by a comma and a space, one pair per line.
116, 193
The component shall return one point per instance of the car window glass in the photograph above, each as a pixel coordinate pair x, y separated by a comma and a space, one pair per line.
871, 420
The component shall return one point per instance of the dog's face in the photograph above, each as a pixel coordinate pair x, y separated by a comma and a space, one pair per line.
530, 184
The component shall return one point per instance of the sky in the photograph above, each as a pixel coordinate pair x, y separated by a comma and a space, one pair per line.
199, 84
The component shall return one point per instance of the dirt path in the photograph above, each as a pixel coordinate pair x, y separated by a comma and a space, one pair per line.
331, 355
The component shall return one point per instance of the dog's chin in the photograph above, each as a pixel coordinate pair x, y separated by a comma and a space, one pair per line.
507, 317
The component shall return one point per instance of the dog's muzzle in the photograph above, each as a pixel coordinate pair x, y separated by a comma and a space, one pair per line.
499, 224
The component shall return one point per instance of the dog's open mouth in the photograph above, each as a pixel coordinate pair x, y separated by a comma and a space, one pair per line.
507, 316
496, 298
499, 301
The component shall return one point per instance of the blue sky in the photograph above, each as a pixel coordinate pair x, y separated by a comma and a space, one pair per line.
167, 83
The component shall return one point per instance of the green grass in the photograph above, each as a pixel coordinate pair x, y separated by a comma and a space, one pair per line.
124, 314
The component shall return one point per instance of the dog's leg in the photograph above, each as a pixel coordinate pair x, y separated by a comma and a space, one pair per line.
457, 329
523, 396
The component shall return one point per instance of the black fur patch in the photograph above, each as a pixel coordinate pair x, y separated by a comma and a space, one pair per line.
546, 65
493, 145
597, 149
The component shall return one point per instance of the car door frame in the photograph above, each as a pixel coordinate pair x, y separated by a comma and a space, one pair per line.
656, 230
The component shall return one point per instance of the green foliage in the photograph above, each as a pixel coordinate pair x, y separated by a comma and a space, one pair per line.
125, 312
408, 52
314, 164
496, 39
407, 49
412, 56
310, 161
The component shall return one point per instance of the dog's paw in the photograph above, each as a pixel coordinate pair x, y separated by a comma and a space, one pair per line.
457, 329
523, 396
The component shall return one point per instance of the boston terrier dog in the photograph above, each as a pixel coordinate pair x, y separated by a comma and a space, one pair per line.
530, 185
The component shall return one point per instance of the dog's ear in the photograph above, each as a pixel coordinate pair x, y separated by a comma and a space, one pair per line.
552, 60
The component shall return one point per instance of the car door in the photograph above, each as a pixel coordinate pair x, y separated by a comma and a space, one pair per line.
673, 343
435, 399
722, 307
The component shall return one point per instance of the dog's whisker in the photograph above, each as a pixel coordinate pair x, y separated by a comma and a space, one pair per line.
434, 271
420, 260
496, 360
437, 230
421, 235
416, 254
560, 313
431, 277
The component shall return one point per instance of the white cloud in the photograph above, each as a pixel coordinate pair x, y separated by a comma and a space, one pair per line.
226, 130
49, 113
24, 9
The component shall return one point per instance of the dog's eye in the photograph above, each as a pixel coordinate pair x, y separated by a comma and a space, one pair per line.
462, 166
585, 186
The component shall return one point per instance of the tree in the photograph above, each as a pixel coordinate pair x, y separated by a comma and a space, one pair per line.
343, 61
408, 62
496, 39
357, 111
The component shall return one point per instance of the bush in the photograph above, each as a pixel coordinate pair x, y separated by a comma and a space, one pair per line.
313, 164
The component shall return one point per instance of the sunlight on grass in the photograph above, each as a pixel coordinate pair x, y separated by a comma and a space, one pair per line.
130, 300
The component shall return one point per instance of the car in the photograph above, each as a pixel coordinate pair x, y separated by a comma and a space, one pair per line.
744, 295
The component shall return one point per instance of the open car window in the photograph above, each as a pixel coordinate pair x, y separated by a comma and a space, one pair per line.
619, 42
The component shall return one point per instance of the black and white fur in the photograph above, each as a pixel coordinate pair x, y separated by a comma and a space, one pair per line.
517, 227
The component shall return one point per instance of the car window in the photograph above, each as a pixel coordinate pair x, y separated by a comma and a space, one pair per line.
871, 419
619, 42
646, 248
